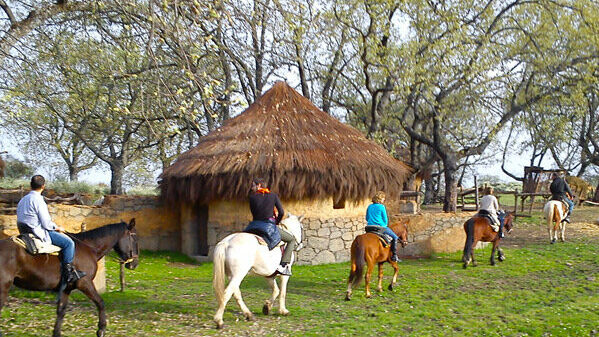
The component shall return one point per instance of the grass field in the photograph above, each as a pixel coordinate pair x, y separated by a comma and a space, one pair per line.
540, 290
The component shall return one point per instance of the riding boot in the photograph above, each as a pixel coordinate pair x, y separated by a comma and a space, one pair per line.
394, 257
284, 269
70, 274
501, 234
567, 218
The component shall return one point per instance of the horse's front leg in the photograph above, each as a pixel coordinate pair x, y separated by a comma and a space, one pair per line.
367, 277
272, 281
495, 243
87, 287
4, 287
500, 255
61, 309
283, 296
395, 273
380, 284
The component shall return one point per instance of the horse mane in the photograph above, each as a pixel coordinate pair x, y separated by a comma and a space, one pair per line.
100, 232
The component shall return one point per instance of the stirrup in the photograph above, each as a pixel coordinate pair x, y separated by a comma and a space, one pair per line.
286, 270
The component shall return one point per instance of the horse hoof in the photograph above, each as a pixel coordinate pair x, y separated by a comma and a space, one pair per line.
266, 309
284, 312
220, 325
501, 258
368, 296
348, 296
249, 317
465, 265
553, 241
390, 287
100, 333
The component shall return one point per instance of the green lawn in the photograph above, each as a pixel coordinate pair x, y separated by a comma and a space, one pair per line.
540, 290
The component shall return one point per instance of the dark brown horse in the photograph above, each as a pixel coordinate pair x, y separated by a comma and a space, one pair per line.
478, 229
368, 249
42, 272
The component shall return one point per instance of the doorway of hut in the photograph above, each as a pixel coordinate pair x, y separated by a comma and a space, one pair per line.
200, 237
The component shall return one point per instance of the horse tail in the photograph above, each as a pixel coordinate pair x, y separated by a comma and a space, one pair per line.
469, 227
357, 263
218, 282
556, 216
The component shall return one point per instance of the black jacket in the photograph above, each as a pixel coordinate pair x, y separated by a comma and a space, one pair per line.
262, 206
559, 187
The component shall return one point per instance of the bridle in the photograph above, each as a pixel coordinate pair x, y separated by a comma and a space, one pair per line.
132, 255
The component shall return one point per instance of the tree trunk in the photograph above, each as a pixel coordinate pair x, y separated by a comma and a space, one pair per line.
116, 179
596, 197
429, 191
450, 201
73, 173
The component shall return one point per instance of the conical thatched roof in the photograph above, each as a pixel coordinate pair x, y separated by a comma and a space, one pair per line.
300, 150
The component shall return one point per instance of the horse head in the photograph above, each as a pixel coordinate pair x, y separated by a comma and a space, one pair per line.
509, 221
127, 247
293, 224
401, 229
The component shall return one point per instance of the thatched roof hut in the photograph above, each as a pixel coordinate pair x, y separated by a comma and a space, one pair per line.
301, 151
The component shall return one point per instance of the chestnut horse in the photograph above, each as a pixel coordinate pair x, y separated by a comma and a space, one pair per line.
478, 229
368, 249
42, 271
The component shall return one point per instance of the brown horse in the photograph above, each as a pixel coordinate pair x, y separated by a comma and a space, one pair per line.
368, 249
42, 272
478, 229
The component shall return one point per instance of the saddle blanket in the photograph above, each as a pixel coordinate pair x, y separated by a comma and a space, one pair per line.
379, 231
35, 246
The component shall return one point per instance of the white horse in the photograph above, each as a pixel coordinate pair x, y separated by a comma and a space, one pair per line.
555, 212
240, 253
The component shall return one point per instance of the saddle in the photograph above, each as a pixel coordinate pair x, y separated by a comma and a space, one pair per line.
33, 245
379, 231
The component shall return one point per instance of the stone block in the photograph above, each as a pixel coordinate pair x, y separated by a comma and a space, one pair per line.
347, 236
342, 256
318, 243
324, 232
336, 245
314, 224
323, 257
409, 207
336, 233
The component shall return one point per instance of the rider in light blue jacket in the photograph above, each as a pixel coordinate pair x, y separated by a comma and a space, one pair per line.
376, 215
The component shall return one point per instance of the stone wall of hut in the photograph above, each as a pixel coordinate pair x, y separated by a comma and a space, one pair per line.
329, 231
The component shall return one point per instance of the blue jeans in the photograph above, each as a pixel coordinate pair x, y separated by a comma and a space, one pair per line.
64, 242
570, 203
391, 233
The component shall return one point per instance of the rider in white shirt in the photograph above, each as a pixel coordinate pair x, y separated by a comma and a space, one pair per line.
33, 217
489, 205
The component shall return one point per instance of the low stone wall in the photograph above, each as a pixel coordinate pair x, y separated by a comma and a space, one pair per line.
329, 240
157, 227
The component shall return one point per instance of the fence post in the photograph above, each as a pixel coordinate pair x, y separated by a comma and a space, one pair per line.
515, 202
122, 277
476, 192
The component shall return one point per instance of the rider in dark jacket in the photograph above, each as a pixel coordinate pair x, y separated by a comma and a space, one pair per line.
262, 205
560, 190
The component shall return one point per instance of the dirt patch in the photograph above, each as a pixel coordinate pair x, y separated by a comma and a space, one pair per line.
526, 234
